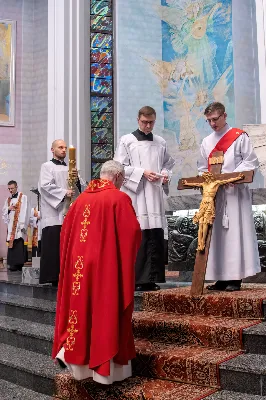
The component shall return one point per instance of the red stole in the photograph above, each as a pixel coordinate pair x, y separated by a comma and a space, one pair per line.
225, 142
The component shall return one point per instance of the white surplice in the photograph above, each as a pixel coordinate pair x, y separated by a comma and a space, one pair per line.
8, 218
233, 253
53, 186
79, 372
147, 197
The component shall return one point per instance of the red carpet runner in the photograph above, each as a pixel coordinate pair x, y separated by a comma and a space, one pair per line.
180, 342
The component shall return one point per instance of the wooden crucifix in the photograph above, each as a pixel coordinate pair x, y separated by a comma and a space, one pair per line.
210, 183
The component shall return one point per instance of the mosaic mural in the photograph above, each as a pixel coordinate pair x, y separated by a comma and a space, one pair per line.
196, 68
101, 83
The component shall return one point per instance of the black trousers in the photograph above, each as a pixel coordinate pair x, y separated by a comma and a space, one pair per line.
150, 259
50, 254
16, 255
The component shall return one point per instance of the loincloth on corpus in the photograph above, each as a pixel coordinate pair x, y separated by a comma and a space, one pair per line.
206, 213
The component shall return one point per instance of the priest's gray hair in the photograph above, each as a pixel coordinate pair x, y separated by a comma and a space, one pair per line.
111, 168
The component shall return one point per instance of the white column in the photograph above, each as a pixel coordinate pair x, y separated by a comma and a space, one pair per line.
261, 39
68, 77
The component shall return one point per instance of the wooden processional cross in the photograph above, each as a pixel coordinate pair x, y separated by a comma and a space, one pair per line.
216, 162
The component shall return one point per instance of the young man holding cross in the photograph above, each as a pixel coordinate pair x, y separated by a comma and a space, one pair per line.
233, 253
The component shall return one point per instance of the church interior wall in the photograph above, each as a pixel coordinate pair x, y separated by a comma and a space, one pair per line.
23, 147
34, 92
246, 68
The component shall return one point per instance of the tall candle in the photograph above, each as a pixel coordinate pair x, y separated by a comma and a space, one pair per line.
72, 157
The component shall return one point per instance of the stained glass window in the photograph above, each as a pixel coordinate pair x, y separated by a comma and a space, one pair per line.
101, 83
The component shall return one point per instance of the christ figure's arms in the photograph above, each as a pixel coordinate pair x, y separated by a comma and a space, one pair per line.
186, 183
237, 178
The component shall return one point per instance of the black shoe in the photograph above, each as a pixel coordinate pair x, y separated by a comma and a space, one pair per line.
219, 285
61, 363
140, 288
153, 286
13, 268
233, 286
147, 287
55, 284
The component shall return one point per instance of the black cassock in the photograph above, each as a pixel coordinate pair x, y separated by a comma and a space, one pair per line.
50, 250
16, 254
150, 259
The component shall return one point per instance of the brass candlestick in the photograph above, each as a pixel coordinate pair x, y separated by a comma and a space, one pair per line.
71, 180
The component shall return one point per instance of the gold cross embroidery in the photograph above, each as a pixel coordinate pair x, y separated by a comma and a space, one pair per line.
76, 283
73, 320
84, 223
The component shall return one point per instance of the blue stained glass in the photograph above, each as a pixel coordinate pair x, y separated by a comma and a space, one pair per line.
102, 104
101, 120
95, 170
99, 70
102, 152
101, 135
101, 55
102, 40
100, 23
103, 86
101, 7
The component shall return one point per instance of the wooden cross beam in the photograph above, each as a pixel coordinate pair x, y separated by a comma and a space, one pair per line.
202, 256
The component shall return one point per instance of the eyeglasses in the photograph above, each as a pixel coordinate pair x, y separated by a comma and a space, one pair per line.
147, 122
213, 119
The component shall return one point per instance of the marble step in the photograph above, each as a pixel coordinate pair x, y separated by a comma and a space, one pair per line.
27, 369
10, 391
254, 339
226, 395
28, 335
245, 373
26, 308
45, 292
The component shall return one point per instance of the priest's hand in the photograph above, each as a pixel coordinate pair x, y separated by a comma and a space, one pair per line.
70, 193
11, 208
151, 176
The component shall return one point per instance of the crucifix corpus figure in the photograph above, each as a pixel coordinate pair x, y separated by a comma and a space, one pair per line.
226, 153
206, 214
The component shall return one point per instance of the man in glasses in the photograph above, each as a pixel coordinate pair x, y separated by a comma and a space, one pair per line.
148, 168
233, 253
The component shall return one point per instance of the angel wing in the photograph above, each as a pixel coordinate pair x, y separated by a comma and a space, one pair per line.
223, 84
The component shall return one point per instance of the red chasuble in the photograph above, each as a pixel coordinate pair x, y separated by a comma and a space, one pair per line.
225, 142
100, 239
